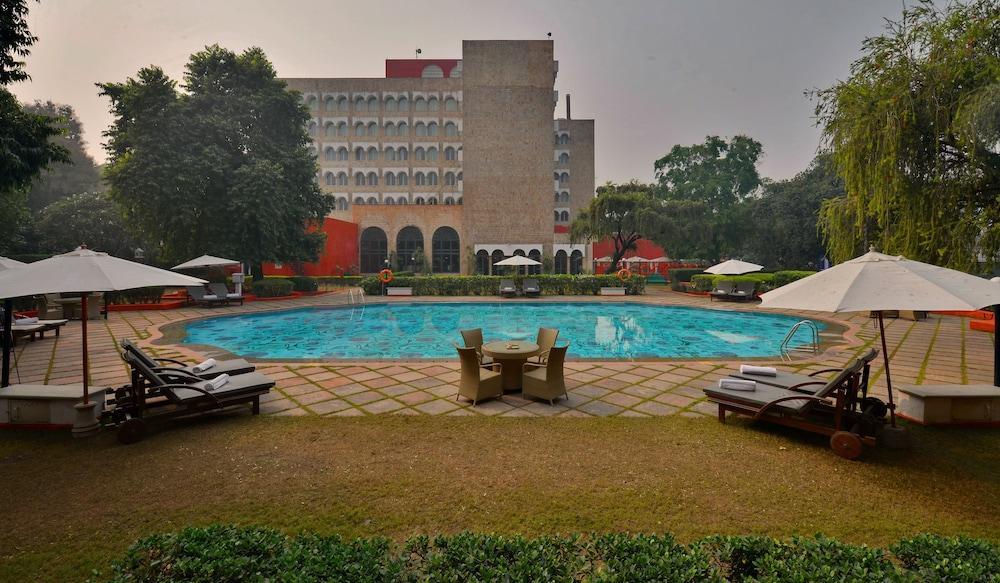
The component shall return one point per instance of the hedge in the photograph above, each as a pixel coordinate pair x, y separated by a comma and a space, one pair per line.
231, 553
272, 287
139, 295
304, 283
682, 274
488, 285
765, 281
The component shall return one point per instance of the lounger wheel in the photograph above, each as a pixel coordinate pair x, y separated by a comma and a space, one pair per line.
131, 431
846, 445
874, 406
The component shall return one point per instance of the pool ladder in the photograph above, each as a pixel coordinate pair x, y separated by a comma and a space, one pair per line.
812, 346
359, 298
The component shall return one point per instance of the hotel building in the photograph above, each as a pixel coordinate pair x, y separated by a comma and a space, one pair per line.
460, 158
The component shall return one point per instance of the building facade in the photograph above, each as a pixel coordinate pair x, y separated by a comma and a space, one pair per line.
458, 160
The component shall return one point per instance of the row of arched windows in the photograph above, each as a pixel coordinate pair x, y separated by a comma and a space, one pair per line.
392, 178
371, 103
391, 129
390, 153
444, 250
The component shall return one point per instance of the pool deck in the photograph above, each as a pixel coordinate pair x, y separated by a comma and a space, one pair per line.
938, 350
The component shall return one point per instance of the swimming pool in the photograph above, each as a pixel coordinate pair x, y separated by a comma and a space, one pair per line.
609, 331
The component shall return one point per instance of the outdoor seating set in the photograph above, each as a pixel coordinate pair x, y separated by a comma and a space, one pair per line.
212, 294
530, 287
34, 327
489, 369
733, 290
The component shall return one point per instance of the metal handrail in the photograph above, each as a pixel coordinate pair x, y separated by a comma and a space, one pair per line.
813, 345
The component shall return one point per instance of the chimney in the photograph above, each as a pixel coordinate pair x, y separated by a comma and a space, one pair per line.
568, 115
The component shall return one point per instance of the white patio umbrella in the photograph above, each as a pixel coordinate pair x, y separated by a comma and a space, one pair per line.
733, 267
7, 341
605, 259
636, 260
7, 263
206, 261
660, 260
878, 282
84, 271
517, 260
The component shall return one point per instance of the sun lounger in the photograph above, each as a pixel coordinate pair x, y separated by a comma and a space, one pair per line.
744, 290
39, 328
531, 287
807, 383
198, 296
507, 287
722, 290
220, 290
235, 366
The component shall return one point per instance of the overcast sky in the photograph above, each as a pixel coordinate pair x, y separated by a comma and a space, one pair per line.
652, 73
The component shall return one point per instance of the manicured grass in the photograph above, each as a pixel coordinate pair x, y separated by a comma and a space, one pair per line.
72, 506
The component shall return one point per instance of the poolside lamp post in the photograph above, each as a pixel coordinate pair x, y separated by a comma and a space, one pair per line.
139, 254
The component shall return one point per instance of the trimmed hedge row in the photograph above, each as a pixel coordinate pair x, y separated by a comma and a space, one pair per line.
224, 553
488, 285
765, 281
682, 274
272, 287
139, 295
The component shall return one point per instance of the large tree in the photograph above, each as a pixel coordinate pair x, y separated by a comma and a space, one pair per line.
86, 218
719, 175
915, 134
80, 173
222, 167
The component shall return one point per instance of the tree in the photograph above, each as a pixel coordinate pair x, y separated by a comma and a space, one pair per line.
785, 217
86, 218
15, 41
719, 175
223, 166
79, 173
915, 134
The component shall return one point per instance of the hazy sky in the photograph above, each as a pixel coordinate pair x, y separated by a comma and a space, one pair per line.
652, 73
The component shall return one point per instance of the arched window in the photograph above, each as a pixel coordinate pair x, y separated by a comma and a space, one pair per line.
564, 179
359, 153
312, 128
390, 103
561, 262
451, 104
459, 201
359, 103
373, 129
388, 200
558, 197
374, 249
359, 200
450, 153
537, 256
359, 179
390, 179
330, 103
404, 154
373, 153
565, 216
432, 104
419, 104
402, 200
432, 128
432, 178
389, 129
451, 129
564, 158
373, 104
419, 200
576, 263
482, 262
408, 241
330, 129
329, 153
420, 129
342, 179
403, 179
402, 129
449, 201
432, 153
372, 179
460, 176
432, 200
372, 200
359, 129
446, 249
419, 153
312, 102
494, 258
419, 179
342, 153
449, 178
432, 72
343, 104
555, 216
390, 153
342, 129
341, 204
330, 179
562, 139
404, 105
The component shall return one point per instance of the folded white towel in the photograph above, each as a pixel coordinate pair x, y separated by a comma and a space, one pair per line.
217, 382
210, 297
737, 385
203, 366
234, 296
763, 371
22, 321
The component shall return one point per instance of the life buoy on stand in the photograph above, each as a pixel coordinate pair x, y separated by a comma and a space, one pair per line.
385, 276
624, 274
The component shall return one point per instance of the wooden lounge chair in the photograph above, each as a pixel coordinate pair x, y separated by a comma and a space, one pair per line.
835, 409
806, 383
507, 287
744, 290
531, 287
220, 290
722, 290
167, 393
231, 367
545, 340
38, 328
198, 296
546, 381
474, 339
477, 383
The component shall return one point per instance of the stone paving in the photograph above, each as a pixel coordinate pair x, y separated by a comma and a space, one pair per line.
940, 349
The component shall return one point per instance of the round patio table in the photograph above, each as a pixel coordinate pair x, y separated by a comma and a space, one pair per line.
511, 354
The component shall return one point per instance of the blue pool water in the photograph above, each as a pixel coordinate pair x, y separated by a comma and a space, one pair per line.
426, 330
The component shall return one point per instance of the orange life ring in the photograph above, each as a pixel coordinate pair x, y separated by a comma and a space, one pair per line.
624, 273
385, 276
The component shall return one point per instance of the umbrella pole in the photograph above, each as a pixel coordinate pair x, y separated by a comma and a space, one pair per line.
86, 362
996, 347
888, 377
7, 340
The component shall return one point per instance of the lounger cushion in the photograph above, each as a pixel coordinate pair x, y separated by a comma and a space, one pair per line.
757, 399
240, 385
785, 379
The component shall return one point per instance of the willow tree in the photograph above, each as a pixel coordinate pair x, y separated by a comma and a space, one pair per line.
915, 134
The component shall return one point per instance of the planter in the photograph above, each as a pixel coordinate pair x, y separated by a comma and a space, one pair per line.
974, 314
163, 305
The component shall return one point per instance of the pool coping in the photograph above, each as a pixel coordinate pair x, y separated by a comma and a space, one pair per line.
848, 339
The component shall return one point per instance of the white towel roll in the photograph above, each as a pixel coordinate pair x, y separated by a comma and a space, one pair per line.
210, 297
763, 371
217, 382
203, 366
23, 321
737, 385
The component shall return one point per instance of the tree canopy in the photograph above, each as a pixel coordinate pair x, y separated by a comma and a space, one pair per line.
915, 134
222, 166
78, 175
90, 218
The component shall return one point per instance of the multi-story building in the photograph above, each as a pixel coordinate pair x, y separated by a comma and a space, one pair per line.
458, 158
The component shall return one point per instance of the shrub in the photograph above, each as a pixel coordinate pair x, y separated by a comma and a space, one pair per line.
628, 557
327, 281
736, 557
786, 277
683, 273
707, 282
140, 295
271, 287
936, 558
487, 285
304, 283
487, 557
825, 559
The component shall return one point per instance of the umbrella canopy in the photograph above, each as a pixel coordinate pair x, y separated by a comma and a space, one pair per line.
515, 260
206, 261
636, 260
733, 267
605, 259
6, 263
660, 260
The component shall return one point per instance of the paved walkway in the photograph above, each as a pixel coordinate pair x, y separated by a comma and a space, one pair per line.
940, 350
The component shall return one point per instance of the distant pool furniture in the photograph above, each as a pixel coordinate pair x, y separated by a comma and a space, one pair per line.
44, 406
235, 366
164, 394
545, 340
220, 290
950, 404
477, 382
71, 307
38, 328
807, 383
612, 291
531, 287
511, 354
473, 338
399, 291
744, 290
837, 409
722, 290
546, 381
198, 296
507, 287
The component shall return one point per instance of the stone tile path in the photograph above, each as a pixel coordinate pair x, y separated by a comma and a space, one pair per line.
940, 350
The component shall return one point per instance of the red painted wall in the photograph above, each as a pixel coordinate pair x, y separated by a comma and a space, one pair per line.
339, 255
413, 67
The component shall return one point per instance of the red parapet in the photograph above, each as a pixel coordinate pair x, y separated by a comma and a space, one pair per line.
414, 68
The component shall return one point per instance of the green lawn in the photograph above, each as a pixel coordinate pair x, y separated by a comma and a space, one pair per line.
72, 506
